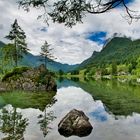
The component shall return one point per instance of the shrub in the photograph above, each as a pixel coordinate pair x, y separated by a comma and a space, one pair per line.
14, 72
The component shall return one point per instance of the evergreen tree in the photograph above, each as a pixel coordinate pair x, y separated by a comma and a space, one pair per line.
61, 72
18, 38
44, 120
8, 53
114, 68
12, 124
46, 54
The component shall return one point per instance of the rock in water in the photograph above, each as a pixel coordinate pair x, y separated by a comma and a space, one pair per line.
75, 123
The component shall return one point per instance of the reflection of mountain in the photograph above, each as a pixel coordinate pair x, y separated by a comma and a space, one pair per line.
66, 83
27, 100
120, 99
12, 124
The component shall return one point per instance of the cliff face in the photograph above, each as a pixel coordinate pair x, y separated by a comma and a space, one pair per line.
29, 79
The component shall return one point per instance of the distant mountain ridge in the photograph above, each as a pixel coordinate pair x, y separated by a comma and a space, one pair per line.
118, 49
2, 44
34, 61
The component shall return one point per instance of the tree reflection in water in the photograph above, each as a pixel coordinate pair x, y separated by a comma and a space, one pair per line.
44, 120
12, 124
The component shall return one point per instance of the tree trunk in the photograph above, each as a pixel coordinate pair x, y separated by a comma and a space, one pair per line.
45, 62
16, 56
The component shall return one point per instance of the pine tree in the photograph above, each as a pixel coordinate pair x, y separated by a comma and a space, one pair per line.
46, 54
44, 120
114, 68
13, 124
18, 38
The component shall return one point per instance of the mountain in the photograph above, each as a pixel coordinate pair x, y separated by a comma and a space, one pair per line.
1, 44
34, 61
87, 61
118, 49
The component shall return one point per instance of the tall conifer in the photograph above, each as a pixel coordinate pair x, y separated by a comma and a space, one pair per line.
18, 38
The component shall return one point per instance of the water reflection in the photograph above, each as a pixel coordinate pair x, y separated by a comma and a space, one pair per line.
12, 124
118, 98
75, 79
113, 110
105, 125
44, 120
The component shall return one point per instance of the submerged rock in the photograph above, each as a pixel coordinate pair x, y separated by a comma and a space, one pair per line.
75, 123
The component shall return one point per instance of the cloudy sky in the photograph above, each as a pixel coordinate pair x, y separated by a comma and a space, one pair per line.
71, 45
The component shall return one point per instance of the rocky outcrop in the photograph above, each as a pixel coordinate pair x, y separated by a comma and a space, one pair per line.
30, 79
75, 123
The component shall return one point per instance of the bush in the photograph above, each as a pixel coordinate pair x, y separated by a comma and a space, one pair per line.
15, 71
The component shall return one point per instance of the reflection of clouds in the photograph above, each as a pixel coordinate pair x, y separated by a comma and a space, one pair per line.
105, 126
99, 114
73, 97
1, 26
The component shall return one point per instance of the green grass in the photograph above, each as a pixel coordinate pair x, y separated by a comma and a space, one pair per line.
21, 99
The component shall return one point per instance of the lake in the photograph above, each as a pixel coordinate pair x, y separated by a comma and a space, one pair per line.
113, 109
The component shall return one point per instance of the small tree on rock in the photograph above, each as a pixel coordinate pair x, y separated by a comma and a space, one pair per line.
46, 53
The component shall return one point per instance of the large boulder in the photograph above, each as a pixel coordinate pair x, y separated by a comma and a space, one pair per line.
75, 123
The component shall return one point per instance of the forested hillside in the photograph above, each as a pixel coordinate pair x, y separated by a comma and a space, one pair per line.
120, 50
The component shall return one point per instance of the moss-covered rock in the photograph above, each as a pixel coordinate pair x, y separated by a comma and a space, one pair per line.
30, 79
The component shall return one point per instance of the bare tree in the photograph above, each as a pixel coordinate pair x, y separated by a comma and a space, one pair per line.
71, 12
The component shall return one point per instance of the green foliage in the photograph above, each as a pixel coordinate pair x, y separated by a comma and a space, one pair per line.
121, 50
120, 56
136, 72
61, 72
114, 68
104, 71
22, 99
75, 72
1, 44
8, 53
31, 60
15, 72
71, 12
45, 120
46, 53
91, 72
13, 124
118, 98
16, 50
44, 77
123, 68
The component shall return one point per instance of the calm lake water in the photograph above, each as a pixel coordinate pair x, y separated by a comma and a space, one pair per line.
113, 109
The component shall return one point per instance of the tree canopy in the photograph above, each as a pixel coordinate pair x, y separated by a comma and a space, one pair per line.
46, 53
18, 38
71, 12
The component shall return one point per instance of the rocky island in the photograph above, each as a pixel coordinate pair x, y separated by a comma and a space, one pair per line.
29, 79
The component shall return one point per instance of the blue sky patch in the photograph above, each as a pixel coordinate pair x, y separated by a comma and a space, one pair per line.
128, 1
44, 29
99, 37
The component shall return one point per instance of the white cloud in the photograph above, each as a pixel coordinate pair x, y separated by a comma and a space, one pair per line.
70, 44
